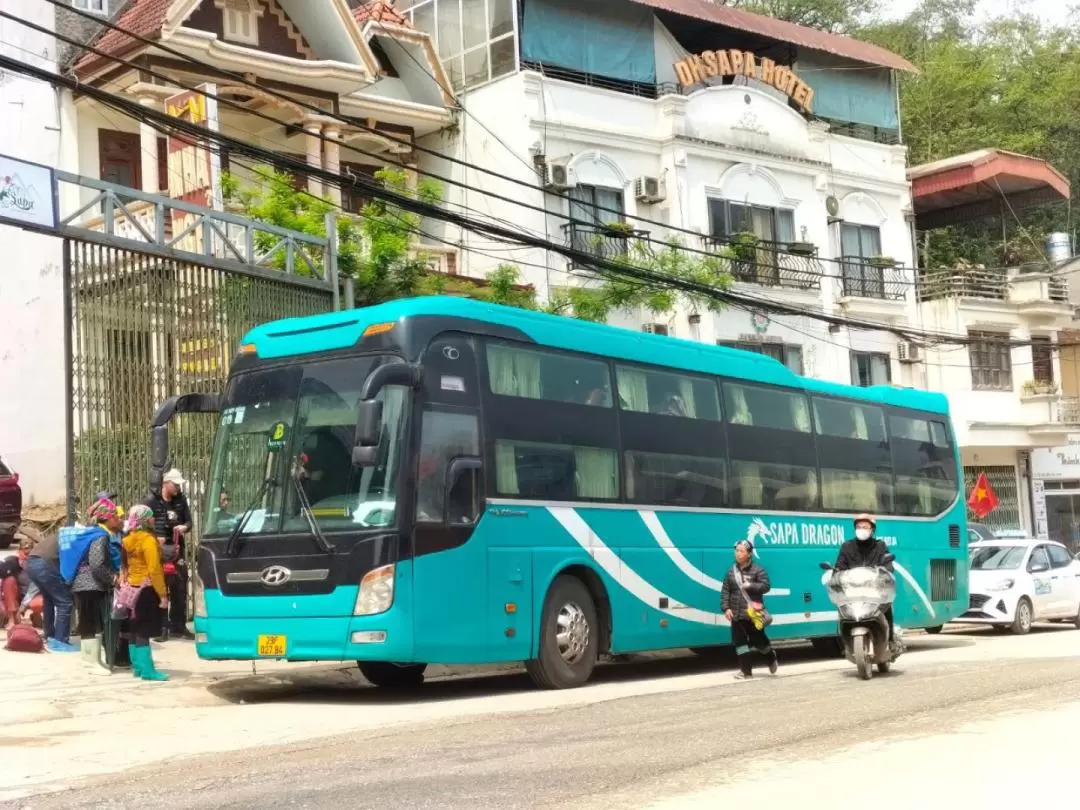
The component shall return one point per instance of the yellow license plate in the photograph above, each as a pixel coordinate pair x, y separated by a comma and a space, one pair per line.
272, 646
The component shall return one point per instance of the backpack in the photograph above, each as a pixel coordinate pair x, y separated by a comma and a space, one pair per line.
24, 638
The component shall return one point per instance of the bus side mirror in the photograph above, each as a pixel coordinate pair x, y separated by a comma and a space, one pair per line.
368, 431
825, 566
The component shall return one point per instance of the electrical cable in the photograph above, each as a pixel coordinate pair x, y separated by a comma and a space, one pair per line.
619, 270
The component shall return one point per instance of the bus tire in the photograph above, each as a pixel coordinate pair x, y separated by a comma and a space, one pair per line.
569, 636
933, 631
388, 675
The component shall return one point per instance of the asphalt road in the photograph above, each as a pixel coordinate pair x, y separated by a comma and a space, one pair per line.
620, 753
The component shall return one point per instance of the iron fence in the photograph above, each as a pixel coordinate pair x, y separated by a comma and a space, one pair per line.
1003, 480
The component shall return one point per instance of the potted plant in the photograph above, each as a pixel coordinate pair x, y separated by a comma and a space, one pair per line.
802, 248
744, 246
619, 229
1035, 388
881, 261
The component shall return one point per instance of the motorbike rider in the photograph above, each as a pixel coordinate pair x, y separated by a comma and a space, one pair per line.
866, 551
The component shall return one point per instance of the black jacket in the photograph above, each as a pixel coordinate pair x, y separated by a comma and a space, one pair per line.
168, 515
863, 554
756, 581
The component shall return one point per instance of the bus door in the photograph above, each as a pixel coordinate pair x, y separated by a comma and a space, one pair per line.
449, 573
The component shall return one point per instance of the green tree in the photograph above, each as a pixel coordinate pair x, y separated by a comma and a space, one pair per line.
379, 250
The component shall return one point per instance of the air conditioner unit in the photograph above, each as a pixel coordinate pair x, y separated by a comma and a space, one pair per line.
558, 176
909, 352
649, 190
656, 329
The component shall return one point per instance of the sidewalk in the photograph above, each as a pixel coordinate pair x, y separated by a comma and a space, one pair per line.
61, 724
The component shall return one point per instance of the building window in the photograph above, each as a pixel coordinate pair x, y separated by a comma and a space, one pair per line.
240, 20
991, 361
591, 209
858, 245
870, 368
476, 39
120, 158
1042, 359
97, 6
1002, 479
789, 354
773, 225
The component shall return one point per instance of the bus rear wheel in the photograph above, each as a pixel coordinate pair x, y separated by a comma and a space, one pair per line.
569, 637
392, 676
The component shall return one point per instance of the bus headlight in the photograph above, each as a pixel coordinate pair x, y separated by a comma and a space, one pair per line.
200, 597
376, 593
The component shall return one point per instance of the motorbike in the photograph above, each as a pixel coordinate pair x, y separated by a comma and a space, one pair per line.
860, 596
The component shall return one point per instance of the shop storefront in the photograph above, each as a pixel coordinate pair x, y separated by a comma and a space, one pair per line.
1056, 491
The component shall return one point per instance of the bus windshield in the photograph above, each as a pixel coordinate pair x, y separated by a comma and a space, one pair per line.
296, 424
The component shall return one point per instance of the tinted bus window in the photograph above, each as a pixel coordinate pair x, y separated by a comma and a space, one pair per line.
664, 394
675, 480
672, 438
924, 464
771, 447
854, 457
530, 374
552, 472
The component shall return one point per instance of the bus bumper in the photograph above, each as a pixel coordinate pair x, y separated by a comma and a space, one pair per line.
383, 637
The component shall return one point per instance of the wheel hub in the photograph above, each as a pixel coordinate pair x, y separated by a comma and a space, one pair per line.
572, 633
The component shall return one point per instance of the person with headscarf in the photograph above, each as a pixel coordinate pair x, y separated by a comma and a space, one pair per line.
145, 573
94, 578
745, 585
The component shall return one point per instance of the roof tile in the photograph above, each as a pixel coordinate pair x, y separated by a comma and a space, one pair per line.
381, 12
810, 38
144, 18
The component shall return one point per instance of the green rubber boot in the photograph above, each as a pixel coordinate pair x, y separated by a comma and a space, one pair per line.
149, 671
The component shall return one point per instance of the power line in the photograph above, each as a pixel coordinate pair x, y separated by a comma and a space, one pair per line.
623, 271
241, 78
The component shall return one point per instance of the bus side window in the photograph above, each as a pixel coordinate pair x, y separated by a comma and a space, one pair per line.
446, 438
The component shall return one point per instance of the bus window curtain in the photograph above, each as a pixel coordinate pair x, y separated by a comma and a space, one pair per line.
862, 431
740, 409
596, 473
514, 373
800, 414
506, 480
686, 391
633, 390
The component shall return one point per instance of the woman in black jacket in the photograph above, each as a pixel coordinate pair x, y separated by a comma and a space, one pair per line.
744, 586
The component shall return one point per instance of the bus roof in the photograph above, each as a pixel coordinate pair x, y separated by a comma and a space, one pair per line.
342, 330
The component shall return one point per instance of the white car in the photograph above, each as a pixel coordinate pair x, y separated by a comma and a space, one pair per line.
1014, 583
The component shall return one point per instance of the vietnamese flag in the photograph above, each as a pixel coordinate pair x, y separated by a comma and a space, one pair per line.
983, 499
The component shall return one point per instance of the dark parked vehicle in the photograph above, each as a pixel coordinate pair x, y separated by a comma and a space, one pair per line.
10, 505
978, 533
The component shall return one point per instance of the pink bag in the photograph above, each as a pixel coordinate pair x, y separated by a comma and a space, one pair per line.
124, 600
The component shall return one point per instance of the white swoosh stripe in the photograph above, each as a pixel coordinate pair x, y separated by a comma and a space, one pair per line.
911, 581
629, 579
662, 538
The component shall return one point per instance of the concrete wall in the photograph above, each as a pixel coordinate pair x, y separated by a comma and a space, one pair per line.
32, 402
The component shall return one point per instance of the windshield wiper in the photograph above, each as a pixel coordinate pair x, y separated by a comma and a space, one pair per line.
305, 509
232, 545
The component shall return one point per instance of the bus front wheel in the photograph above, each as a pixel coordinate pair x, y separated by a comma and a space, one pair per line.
569, 637
392, 676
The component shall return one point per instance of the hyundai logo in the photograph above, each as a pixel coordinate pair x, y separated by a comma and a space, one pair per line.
275, 576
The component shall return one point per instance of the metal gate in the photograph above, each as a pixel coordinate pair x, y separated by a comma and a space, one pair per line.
158, 301
1003, 480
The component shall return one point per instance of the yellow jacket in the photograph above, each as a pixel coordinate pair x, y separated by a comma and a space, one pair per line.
143, 558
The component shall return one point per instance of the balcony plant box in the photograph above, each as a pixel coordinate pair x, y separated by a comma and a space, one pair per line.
881, 262
802, 248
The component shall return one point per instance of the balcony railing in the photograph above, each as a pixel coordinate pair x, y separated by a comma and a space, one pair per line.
1006, 285
865, 278
770, 264
600, 241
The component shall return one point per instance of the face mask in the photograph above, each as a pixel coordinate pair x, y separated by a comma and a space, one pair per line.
862, 534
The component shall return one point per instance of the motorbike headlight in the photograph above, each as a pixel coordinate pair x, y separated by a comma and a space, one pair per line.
857, 611
199, 592
376, 593
1001, 585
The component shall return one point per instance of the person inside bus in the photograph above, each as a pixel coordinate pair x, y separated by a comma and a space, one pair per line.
866, 551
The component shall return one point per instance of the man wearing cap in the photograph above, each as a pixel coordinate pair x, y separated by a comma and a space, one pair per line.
172, 522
